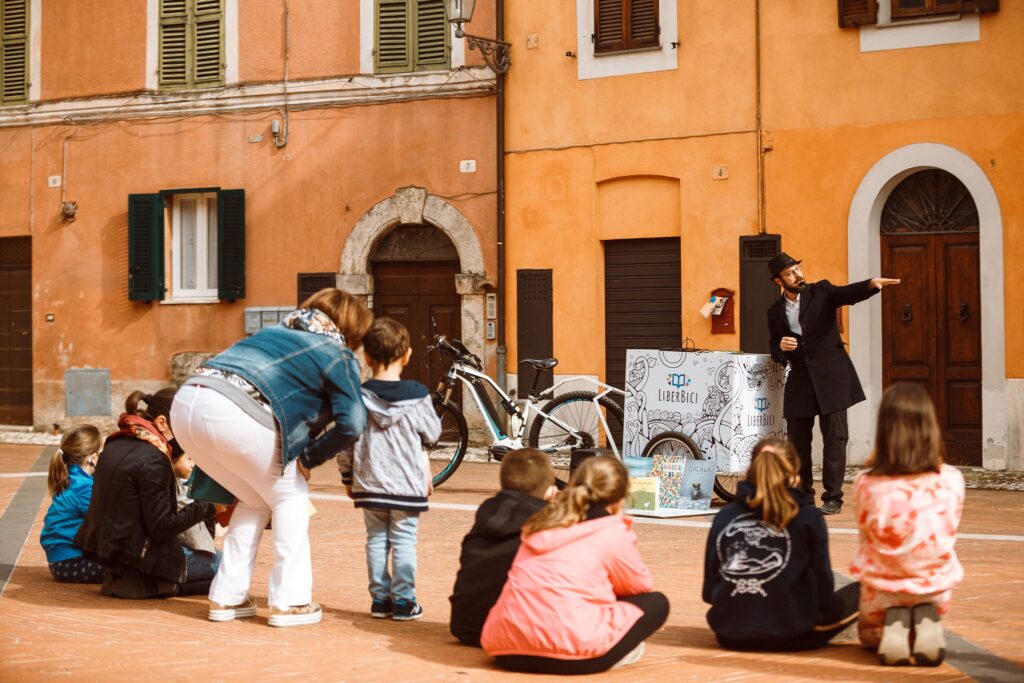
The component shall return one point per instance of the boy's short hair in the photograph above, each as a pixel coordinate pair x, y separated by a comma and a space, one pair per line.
386, 341
528, 471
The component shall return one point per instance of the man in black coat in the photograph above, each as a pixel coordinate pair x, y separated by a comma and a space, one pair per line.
822, 381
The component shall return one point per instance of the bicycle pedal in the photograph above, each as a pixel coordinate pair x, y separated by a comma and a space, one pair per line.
498, 452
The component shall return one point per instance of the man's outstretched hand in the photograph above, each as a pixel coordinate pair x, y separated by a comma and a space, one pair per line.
879, 282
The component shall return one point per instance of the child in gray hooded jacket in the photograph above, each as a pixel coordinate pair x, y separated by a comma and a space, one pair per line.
387, 473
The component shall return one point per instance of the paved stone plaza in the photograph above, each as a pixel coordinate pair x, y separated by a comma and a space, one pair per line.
50, 630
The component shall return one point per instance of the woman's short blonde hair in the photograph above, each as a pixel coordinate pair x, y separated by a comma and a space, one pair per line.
347, 311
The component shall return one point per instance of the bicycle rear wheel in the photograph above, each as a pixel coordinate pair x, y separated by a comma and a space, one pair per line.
672, 443
447, 452
574, 409
675, 443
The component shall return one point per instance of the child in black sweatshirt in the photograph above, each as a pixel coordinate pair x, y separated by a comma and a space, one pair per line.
527, 483
767, 573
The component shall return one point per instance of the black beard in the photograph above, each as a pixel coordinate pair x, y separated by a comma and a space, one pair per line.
795, 289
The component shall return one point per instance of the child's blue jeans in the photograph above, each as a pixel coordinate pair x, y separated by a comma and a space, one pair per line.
391, 532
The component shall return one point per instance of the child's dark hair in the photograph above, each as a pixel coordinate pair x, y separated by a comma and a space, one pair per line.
156, 405
773, 466
528, 471
78, 444
386, 341
908, 439
600, 481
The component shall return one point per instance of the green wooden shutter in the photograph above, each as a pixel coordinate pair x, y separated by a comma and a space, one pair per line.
174, 52
208, 41
145, 247
853, 13
13, 51
231, 244
394, 49
643, 23
610, 25
431, 35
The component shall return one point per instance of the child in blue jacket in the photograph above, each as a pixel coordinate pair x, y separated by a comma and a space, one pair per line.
70, 484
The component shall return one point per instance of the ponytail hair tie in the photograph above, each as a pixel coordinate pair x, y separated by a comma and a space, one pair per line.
148, 398
63, 455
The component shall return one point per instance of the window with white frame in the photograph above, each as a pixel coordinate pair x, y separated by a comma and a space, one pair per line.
188, 244
194, 245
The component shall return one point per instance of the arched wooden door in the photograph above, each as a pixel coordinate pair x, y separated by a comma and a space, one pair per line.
414, 269
931, 322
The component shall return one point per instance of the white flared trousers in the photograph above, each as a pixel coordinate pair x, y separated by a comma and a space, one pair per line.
244, 457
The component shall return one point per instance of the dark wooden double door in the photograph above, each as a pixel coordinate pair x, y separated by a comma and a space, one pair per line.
931, 326
15, 331
421, 296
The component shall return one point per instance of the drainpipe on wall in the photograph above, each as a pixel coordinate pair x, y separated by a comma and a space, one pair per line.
502, 350
761, 229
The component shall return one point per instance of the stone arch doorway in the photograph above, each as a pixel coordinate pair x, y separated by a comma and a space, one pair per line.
931, 322
864, 254
414, 269
414, 206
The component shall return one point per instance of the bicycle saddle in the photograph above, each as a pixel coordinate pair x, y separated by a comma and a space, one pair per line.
540, 363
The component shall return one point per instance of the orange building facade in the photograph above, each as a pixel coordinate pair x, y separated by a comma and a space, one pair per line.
175, 173
874, 140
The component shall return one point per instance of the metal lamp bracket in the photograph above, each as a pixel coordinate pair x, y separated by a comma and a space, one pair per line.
497, 54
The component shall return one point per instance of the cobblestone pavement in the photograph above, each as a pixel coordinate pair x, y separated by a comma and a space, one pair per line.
50, 630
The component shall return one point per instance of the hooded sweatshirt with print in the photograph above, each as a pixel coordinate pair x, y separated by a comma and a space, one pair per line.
561, 597
765, 583
387, 467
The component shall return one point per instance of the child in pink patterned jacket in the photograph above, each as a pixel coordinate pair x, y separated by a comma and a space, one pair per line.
908, 508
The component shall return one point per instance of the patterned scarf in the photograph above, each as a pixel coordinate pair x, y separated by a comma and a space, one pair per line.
316, 321
135, 427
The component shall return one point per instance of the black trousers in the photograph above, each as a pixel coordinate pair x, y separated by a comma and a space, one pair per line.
655, 607
836, 435
843, 611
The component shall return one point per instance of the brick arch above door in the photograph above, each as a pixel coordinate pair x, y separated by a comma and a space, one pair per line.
864, 261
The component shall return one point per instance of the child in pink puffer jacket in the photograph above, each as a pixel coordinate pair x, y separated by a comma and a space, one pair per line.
578, 598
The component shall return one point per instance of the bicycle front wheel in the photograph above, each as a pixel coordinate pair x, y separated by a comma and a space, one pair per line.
571, 421
447, 452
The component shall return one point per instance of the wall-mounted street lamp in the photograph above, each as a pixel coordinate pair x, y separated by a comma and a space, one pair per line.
497, 54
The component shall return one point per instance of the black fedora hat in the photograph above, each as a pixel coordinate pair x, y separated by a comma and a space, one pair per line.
780, 262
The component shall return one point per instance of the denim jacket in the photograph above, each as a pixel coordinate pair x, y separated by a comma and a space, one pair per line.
310, 381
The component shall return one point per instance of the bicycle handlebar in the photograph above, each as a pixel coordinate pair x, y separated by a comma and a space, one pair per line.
457, 350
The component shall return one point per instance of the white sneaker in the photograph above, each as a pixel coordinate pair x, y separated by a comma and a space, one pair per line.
631, 656
219, 612
296, 616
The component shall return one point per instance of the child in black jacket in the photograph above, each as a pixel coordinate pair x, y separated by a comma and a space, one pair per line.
527, 483
767, 573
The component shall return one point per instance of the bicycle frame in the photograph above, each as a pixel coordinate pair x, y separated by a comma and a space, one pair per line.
474, 379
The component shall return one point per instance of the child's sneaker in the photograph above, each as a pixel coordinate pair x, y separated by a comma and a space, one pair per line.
631, 656
929, 640
894, 648
407, 610
381, 609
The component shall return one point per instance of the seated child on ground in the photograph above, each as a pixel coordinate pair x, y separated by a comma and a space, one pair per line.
527, 483
577, 597
908, 509
70, 484
387, 473
767, 573
201, 555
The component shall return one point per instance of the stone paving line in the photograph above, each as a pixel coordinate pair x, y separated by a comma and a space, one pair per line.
49, 630
974, 477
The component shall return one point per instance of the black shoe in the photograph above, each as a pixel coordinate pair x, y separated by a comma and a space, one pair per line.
831, 507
